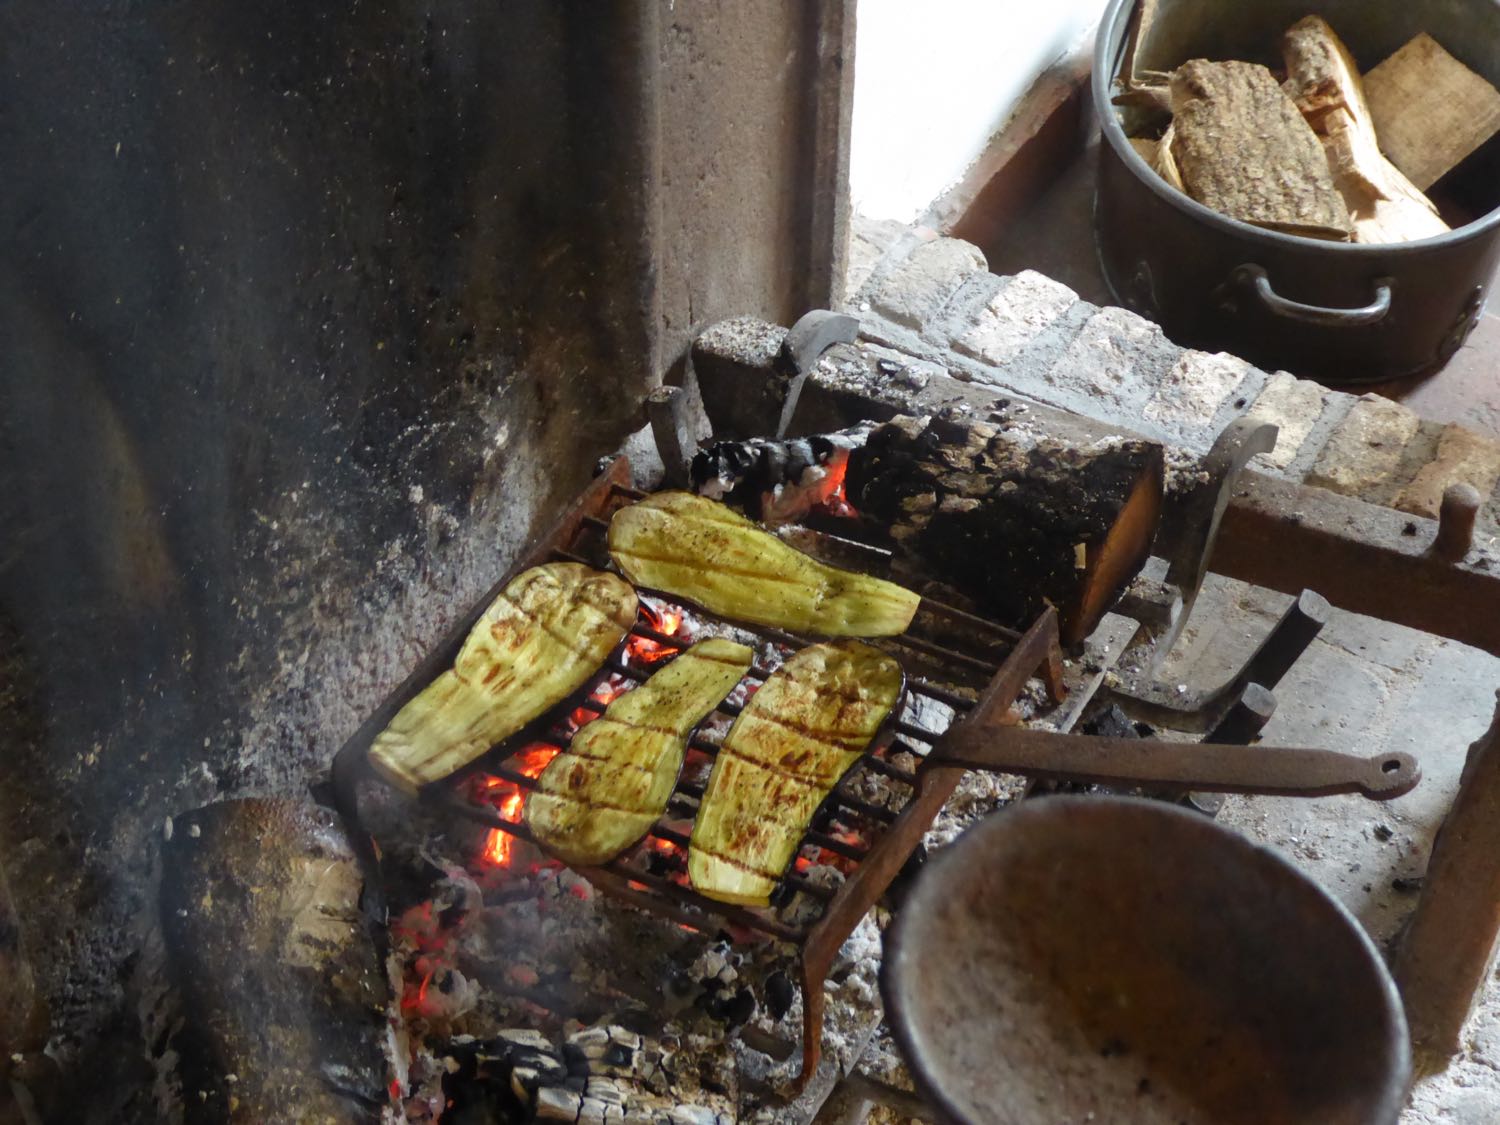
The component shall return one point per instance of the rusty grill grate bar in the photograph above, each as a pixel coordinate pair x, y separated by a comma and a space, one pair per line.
868, 817
885, 836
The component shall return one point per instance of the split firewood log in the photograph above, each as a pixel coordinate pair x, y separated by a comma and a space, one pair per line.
1324, 83
1431, 112
1013, 521
1241, 147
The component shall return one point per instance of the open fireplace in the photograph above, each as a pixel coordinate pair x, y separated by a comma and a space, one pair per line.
325, 324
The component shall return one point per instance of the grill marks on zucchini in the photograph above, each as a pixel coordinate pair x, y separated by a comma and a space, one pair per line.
606, 790
698, 549
540, 640
797, 736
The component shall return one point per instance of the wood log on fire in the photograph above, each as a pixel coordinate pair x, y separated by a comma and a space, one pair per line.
282, 990
1324, 82
1013, 521
1242, 148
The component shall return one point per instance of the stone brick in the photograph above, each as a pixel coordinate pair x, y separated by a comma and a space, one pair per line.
1194, 389
1365, 448
919, 287
871, 240
1117, 361
1462, 455
1294, 406
1024, 308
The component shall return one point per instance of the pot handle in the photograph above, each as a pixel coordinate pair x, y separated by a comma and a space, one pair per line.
1255, 277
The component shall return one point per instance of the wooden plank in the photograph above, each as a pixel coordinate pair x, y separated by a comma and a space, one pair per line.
1430, 111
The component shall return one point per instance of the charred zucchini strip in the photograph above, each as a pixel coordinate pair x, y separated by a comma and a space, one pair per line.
605, 791
540, 640
785, 752
698, 549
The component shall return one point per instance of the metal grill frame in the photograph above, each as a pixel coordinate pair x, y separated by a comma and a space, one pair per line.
1035, 651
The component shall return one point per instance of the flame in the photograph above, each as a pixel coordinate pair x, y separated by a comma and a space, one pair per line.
644, 650
508, 798
837, 501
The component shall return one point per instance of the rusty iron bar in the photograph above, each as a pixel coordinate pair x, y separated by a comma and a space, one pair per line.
1210, 767
1038, 650
616, 877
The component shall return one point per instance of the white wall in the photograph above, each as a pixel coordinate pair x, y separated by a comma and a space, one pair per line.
934, 80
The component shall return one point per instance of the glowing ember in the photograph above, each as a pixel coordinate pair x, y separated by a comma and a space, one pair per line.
508, 798
836, 503
605, 694
644, 650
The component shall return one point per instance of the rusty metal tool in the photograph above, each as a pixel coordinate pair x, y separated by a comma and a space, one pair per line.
1163, 705
1212, 766
1445, 958
1196, 515
813, 334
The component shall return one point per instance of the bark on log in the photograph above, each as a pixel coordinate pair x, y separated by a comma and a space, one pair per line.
1015, 523
1324, 83
1243, 149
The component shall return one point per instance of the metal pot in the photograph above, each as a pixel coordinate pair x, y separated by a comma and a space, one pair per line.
1113, 959
1339, 312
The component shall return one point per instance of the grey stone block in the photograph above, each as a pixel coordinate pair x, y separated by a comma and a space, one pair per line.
1365, 449
874, 243
1193, 392
1292, 405
916, 291
1013, 318
1462, 455
1113, 367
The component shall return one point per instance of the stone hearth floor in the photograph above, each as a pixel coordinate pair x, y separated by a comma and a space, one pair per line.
1365, 685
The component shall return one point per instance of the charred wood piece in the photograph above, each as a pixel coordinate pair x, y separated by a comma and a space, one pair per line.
772, 480
1015, 522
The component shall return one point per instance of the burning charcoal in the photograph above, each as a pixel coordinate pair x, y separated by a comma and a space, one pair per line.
740, 1008
556, 1104
777, 481
780, 994
1113, 723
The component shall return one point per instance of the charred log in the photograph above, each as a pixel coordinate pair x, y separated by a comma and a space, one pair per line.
1015, 523
281, 986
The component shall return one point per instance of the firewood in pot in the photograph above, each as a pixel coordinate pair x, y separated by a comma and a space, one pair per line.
1243, 149
546, 633
1324, 83
612, 783
1429, 110
1016, 523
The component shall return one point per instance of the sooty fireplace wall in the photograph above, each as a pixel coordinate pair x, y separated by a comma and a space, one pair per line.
309, 310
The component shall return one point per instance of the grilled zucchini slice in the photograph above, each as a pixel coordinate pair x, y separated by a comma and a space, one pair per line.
538, 642
696, 548
787, 749
608, 788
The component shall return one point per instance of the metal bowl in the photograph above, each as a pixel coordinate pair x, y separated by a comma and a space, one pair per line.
1110, 959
